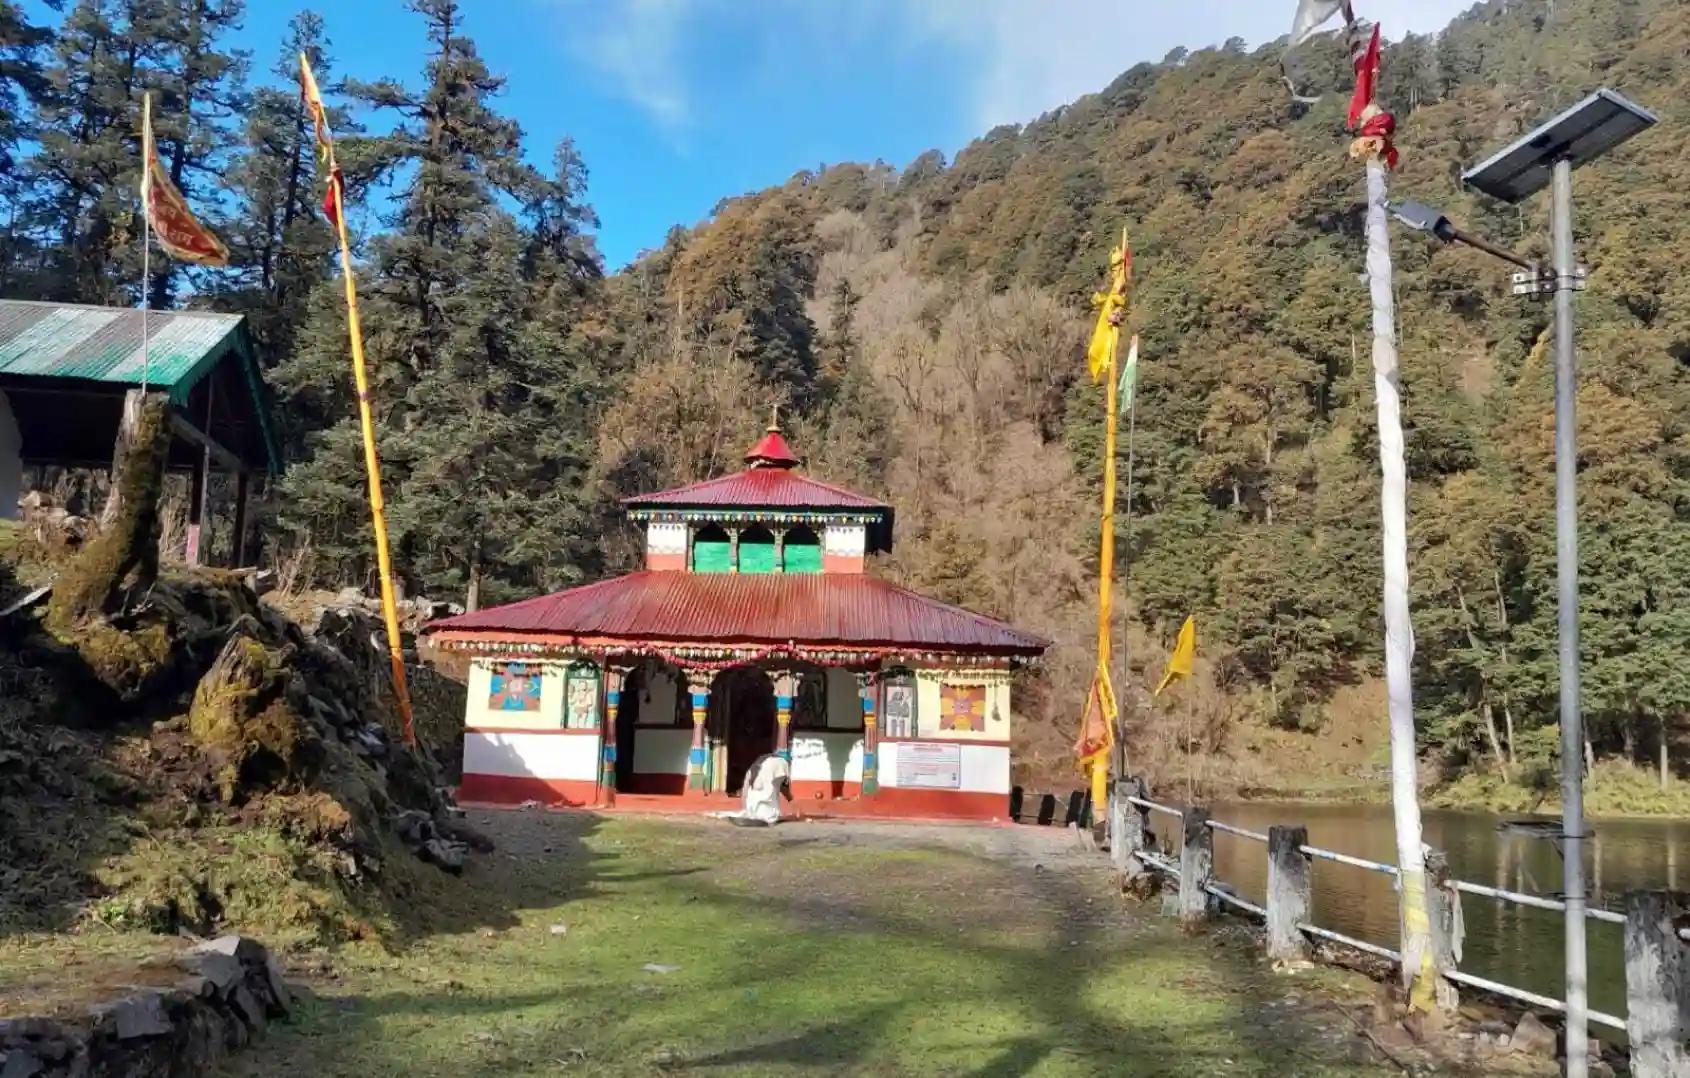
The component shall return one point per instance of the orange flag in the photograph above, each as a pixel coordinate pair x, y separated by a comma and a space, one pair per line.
179, 232
325, 142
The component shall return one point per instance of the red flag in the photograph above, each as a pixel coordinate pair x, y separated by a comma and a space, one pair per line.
331, 207
1367, 72
178, 230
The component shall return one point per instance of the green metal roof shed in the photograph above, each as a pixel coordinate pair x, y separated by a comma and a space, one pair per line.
66, 368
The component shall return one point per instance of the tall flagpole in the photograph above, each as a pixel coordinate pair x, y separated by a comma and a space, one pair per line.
1106, 557
372, 463
1127, 527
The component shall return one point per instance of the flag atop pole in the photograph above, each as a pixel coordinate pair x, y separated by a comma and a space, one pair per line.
179, 233
334, 208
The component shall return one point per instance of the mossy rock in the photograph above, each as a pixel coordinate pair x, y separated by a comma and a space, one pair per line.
244, 715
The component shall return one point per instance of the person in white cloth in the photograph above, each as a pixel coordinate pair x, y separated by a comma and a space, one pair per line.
767, 780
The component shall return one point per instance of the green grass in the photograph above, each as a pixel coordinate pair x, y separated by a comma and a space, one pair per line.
800, 950
1614, 789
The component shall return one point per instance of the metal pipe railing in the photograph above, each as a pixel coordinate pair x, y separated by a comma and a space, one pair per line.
1528, 997
1500, 894
1347, 859
1350, 941
1153, 806
1216, 825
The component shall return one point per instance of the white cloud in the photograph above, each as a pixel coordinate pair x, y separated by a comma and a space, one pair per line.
1032, 55
638, 47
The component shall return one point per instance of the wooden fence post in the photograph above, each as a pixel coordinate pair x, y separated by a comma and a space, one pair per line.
1444, 905
1290, 888
1657, 984
1196, 864
1126, 829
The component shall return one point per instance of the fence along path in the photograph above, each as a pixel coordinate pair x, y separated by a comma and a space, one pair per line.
1656, 958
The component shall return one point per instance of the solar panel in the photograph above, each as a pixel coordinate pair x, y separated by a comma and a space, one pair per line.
1582, 133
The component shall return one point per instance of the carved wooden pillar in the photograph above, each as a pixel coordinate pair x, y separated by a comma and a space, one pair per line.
780, 550
867, 685
733, 550
614, 678
698, 683
785, 682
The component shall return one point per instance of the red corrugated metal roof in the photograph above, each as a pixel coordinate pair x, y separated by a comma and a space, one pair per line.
775, 609
761, 488
772, 450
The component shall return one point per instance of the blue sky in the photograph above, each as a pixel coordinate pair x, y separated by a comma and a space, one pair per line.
676, 104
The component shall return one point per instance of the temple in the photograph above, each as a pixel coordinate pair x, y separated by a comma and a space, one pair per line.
753, 628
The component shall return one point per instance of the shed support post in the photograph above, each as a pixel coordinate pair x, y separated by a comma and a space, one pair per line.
243, 485
1657, 984
202, 483
1196, 865
1127, 826
1290, 890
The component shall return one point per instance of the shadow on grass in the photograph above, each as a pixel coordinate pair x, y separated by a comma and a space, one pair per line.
886, 965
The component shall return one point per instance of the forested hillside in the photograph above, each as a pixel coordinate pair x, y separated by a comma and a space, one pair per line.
924, 327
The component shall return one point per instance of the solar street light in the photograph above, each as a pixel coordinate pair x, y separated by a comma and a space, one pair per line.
1543, 158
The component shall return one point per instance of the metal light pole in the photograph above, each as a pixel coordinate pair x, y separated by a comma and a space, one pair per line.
1567, 618
1547, 157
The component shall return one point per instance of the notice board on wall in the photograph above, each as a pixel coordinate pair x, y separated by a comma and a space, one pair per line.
929, 766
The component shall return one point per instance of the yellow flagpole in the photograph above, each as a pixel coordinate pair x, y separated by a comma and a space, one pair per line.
1106, 556
372, 465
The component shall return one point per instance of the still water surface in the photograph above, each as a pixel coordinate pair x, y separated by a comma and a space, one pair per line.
1517, 945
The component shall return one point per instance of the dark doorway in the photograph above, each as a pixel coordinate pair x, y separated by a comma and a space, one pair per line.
743, 700
627, 721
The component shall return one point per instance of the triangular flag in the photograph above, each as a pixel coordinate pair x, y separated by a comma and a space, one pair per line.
1185, 650
1129, 376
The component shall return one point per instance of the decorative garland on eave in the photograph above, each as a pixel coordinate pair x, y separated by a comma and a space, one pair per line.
715, 657
752, 516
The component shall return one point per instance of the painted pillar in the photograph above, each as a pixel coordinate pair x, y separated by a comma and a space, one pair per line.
614, 678
699, 685
733, 550
784, 685
780, 553
867, 685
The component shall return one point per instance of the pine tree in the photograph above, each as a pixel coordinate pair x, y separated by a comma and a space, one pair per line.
22, 83
470, 313
281, 246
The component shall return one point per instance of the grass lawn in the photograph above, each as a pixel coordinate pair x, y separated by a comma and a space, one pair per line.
809, 948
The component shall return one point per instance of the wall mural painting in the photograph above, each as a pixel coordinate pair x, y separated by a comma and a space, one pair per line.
899, 720
582, 699
962, 707
515, 687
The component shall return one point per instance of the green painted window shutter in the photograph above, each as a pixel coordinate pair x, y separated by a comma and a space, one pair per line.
803, 558
756, 557
709, 557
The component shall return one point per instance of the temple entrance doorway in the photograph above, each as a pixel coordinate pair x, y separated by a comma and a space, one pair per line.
742, 704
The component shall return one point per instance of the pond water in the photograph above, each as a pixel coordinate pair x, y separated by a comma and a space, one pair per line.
1517, 945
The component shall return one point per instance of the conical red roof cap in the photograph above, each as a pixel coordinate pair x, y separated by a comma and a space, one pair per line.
772, 452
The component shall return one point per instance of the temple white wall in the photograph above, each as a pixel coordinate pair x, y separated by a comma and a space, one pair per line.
480, 712
954, 766
554, 756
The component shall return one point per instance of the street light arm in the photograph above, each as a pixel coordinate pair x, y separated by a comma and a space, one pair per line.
1452, 234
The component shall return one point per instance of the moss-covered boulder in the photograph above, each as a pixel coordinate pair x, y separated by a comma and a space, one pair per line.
244, 714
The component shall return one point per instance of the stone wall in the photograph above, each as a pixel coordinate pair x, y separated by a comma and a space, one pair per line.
196, 1008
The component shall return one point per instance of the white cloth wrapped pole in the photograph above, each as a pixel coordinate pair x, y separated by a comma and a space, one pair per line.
1399, 631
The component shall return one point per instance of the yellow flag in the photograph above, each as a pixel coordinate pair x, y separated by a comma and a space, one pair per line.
1111, 311
314, 105
178, 231
1185, 650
